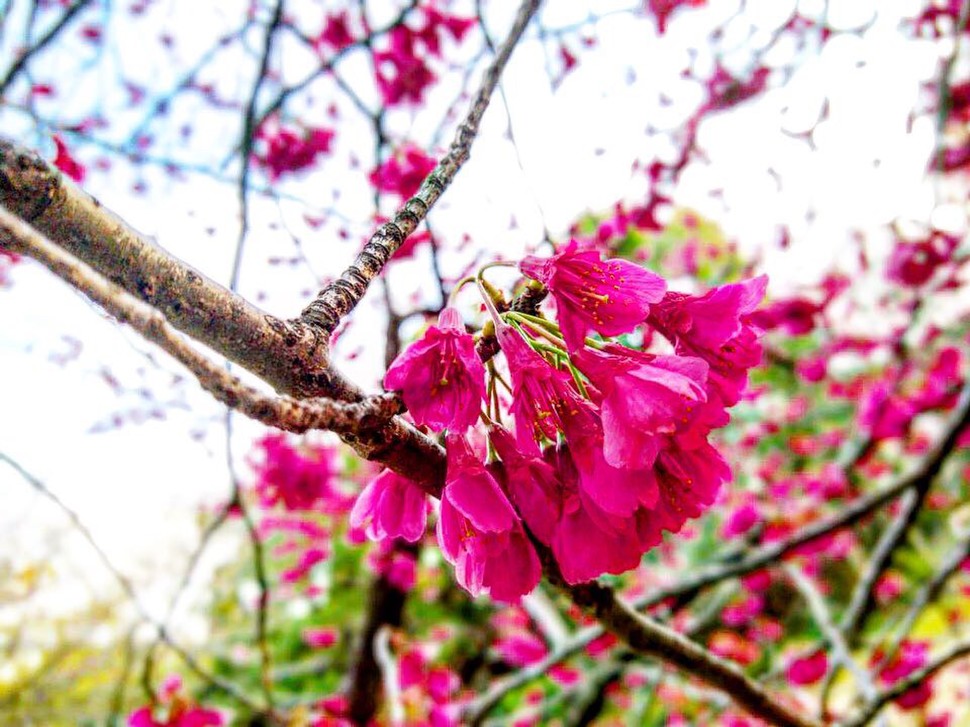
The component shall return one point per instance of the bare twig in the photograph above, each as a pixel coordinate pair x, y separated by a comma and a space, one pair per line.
841, 656
21, 63
126, 585
248, 138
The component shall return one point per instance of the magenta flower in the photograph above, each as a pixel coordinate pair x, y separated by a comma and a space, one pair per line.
688, 481
64, 161
480, 533
403, 172
611, 297
544, 403
911, 656
440, 376
540, 393
531, 483
391, 506
291, 478
588, 541
807, 669
718, 328
643, 397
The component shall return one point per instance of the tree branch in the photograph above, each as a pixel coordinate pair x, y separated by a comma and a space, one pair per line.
954, 652
340, 297
367, 424
646, 636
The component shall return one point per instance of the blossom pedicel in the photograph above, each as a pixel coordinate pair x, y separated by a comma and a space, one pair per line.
610, 447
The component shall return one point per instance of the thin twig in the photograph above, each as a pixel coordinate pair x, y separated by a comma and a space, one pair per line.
21, 63
948, 655
841, 656
248, 138
126, 585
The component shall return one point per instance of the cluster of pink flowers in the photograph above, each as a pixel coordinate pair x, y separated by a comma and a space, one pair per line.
402, 73
610, 445
403, 172
283, 149
291, 478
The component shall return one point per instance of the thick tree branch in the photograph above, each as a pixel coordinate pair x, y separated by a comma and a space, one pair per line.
367, 424
342, 296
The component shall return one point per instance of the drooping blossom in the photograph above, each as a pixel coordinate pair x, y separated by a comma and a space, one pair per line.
588, 541
643, 397
480, 533
403, 172
64, 161
531, 483
441, 378
544, 403
688, 481
297, 480
391, 506
609, 296
718, 328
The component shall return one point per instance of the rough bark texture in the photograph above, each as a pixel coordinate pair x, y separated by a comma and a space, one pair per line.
286, 355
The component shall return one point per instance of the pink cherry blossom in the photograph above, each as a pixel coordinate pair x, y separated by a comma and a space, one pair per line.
807, 669
643, 396
391, 506
402, 77
544, 403
588, 541
336, 32
611, 297
532, 484
911, 656
285, 150
441, 378
403, 172
688, 481
718, 328
64, 161
295, 479
480, 533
